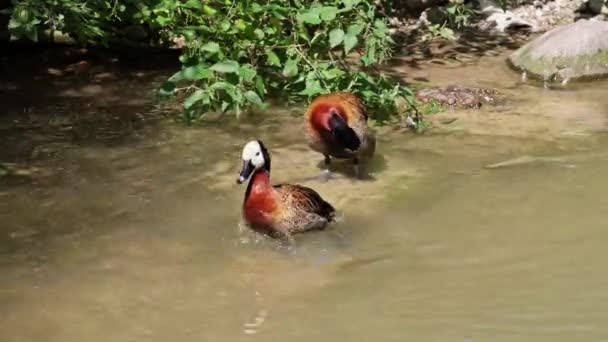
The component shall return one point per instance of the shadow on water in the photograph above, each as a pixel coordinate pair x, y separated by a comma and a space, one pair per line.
469, 47
345, 167
76, 96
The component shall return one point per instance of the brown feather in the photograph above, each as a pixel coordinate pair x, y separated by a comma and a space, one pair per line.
306, 199
352, 109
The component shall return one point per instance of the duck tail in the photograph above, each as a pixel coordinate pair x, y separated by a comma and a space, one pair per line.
329, 212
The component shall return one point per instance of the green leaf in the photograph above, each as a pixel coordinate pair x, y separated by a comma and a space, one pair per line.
350, 3
13, 24
369, 57
332, 73
208, 10
225, 25
301, 78
355, 29
194, 98
323, 66
197, 72
368, 94
247, 73
196, 4
32, 33
253, 97
328, 13
278, 15
167, 88
291, 68
212, 47
256, 8
259, 85
163, 21
371, 12
221, 86
350, 41
240, 24
226, 66
336, 36
188, 33
312, 88
310, 17
259, 33
380, 24
367, 78
272, 59
176, 77
311, 76
235, 94
185, 59
304, 35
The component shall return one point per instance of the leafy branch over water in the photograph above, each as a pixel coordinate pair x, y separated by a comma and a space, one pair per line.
237, 54
246, 51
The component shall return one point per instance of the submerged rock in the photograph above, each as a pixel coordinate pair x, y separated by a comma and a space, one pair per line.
567, 52
437, 15
525, 160
457, 96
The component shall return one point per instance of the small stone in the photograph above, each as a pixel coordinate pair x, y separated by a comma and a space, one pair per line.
54, 72
458, 96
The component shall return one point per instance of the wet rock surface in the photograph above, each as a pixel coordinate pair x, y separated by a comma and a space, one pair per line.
578, 50
458, 96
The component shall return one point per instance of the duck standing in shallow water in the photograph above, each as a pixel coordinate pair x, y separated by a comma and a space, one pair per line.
278, 210
337, 127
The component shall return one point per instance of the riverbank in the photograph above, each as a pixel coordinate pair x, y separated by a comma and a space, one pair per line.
66, 95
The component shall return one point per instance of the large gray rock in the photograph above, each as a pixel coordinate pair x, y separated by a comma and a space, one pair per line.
567, 52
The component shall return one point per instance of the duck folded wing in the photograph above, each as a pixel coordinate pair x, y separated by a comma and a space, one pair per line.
303, 199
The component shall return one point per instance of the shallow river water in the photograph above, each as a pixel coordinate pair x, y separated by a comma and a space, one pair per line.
133, 235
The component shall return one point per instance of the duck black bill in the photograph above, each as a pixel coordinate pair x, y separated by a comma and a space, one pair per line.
245, 172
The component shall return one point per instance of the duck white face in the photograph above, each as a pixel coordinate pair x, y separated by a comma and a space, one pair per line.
253, 152
255, 156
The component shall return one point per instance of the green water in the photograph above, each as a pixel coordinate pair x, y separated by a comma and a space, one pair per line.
131, 232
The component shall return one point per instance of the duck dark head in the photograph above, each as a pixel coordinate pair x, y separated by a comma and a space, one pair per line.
255, 156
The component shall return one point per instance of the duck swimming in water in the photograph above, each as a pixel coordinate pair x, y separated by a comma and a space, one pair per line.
279, 210
337, 127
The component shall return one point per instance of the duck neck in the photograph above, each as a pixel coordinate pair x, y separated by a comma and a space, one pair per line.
259, 183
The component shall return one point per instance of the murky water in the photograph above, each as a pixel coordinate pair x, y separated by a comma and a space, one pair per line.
135, 236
